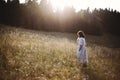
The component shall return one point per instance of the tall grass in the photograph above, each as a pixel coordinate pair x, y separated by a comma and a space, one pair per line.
38, 55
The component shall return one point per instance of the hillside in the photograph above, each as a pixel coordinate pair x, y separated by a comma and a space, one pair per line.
37, 55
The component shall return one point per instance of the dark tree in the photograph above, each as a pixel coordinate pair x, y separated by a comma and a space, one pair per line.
32, 15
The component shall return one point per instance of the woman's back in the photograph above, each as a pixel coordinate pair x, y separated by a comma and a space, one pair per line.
81, 41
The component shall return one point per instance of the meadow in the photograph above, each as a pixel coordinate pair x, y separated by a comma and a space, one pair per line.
39, 55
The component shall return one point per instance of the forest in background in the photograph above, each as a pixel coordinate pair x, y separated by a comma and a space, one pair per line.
32, 15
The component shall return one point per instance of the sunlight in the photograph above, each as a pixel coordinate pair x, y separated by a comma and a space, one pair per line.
82, 4
79, 4
60, 4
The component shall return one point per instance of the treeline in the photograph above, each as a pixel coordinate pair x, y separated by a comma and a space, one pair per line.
41, 16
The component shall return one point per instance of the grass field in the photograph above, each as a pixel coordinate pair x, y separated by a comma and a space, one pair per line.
37, 55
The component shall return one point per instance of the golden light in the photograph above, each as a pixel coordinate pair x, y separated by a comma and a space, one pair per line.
59, 4
83, 4
77, 4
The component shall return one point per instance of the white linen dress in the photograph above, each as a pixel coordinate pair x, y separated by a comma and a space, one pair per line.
82, 54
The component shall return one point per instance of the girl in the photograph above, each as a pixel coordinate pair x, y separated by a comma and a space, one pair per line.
81, 54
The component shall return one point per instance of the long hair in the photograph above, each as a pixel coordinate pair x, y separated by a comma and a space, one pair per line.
81, 34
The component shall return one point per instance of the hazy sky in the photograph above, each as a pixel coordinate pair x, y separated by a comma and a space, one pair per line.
83, 4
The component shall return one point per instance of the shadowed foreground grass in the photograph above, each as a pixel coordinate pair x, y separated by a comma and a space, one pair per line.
34, 55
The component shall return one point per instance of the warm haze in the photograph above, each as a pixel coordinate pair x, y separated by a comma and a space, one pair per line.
83, 4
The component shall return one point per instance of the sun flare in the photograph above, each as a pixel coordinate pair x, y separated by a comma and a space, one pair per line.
83, 4
60, 4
